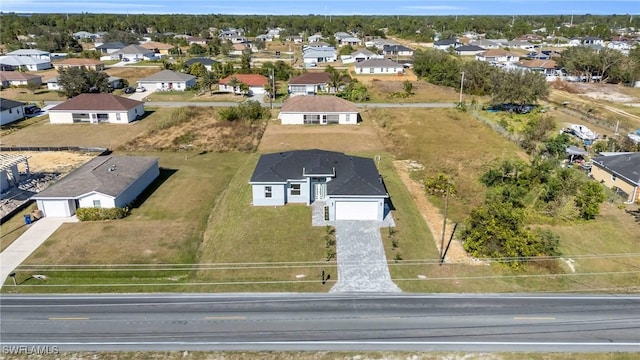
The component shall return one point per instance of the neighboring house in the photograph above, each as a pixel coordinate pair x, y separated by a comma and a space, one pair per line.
237, 49
322, 110
497, 56
546, 67
364, 54
79, 62
315, 38
530, 37
97, 108
310, 83
17, 78
110, 47
397, 50
274, 33
158, 47
378, 66
264, 37
206, 62
167, 80
352, 41
574, 42
104, 182
256, 83
314, 55
196, 40
85, 35
11, 111
296, 39
349, 187
517, 44
485, 44
9, 63
133, 52
620, 171
592, 40
468, 50
317, 44
34, 53
379, 43
446, 44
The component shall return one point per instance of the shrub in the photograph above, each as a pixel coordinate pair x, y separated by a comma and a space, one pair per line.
97, 214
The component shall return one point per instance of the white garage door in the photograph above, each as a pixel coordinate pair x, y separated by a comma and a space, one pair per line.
356, 210
55, 208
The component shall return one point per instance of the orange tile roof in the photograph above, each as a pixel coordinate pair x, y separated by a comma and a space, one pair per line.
249, 79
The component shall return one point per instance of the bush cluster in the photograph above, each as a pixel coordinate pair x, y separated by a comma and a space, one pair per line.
248, 110
97, 214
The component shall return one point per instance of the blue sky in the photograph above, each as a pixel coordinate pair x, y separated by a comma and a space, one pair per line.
327, 7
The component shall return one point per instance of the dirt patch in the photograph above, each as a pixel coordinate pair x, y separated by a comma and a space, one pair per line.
343, 138
132, 74
56, 161
433, 217
606, 92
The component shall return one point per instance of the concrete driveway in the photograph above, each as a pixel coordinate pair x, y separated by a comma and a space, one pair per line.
362, 264
141, 95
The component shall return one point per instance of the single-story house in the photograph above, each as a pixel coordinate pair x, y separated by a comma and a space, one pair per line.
196, 40
497, 56
34, 53
110, 47
621, 171
546, 67
158, 47
592, 40
309, 84
350, 40
379, 43
167, 80
316, 44
53, 84
85, 35
379, 66
133, 52
97, 108
465, 50
364, 54
519, 44
446, 44
206, 62
103, 182
314, 55
485, 44
350, 187
79, 62
9, 63
323, 110
399, 50
18, 78
315, 38
11, 111
256, 83
264, 37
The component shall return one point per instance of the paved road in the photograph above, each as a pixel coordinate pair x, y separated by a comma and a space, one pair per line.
323, 322
278, 105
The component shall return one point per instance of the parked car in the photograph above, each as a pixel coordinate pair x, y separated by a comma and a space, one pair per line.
129, 90
141, 89
125, 59
31, 109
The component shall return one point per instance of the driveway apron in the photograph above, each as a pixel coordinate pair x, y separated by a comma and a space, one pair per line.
362, 264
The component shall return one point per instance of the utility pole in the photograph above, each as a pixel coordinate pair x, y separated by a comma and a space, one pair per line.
461, 86
273, 88
444, 223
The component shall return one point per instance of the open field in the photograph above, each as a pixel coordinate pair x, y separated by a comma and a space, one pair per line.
26, 95
380, 88
191, 95
165, 228
132, 74
42, 133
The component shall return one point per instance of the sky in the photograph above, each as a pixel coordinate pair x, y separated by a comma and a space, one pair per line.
327, 7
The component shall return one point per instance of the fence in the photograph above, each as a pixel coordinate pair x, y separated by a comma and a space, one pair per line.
102, 151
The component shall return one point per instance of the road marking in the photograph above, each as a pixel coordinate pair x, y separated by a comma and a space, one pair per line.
68, 318
225, 318
533, 318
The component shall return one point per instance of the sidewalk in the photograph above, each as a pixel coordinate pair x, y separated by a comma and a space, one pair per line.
27, 243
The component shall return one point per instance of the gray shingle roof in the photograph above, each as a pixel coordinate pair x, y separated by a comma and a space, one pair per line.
625, 165
111, 45
96, 176
6, 104
377, 63
354, 175
168, 75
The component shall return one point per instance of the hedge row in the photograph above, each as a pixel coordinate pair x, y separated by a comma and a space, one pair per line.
96, 214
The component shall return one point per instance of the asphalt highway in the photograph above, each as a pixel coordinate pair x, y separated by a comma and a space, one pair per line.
322, 322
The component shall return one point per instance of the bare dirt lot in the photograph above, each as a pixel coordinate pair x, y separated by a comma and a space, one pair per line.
56, 161
343, 138
603, 92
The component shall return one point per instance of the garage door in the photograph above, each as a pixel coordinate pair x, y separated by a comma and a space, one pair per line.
55, 208
356, 210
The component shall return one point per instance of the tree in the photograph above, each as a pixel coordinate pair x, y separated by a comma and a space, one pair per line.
518, 87
245, 61
407, 86
197, 69
125, 37
259, 44
234, 83
197, 50
590, 196
336, 78
206, 80
535, 132
77, 80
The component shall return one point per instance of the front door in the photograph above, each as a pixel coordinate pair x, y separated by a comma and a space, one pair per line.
319, 191
323, 119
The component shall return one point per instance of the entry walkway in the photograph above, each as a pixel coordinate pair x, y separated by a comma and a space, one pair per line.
28, 242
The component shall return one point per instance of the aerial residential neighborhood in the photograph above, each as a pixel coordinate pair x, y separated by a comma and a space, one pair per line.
314, 154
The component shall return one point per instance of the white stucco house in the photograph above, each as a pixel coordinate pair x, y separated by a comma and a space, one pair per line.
497, 56
10, 111
314, 55
103, 182
309, 83
133, 52
18, 78
167, 80
33, 53
255, 82
97, 108
27, 63
322, 110
378, 67
349, 187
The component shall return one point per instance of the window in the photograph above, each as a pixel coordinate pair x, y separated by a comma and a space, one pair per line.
347, 117
96, 204
613, 178
295, 189
333, 118
118, 115
312, 119
268, 192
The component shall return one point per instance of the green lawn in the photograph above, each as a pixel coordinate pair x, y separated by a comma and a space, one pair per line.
11, 229
167, 228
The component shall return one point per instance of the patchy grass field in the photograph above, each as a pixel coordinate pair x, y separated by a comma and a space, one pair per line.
132, 74
380, 89
166, 228
42, 133
26, 95
195, 96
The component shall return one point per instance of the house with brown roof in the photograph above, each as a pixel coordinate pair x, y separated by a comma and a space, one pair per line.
256, 83
158, 47
18, 78
310, 83
97, 108
321, 110
497, 56
79, 62
546, 67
